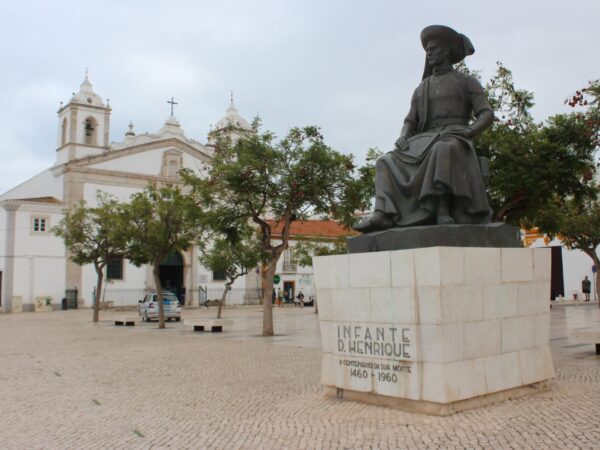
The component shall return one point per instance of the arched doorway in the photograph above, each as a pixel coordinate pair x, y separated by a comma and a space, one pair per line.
171, 275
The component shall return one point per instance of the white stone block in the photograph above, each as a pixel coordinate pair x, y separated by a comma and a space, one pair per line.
526, 295
436, 266
465, 379
517, 333
394, 342
427, 266
356, 378
395, 305
536, 365
483, 338
331, 271
500, 301
517, 264
542, 296
462, 303
452, 265
502, 372
330, 375
433, 386
450, 382
351, 305
400, 382
325, 302
483, 265
441, 343
328, 336
541, 329
429, 309
403, 268
542, 264
370, 270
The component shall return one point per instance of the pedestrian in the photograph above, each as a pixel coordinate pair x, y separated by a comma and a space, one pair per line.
279, 298
586, 287
300, 298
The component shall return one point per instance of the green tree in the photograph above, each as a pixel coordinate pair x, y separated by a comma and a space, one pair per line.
233, 254
576, 220
161, 220
94, 235
262, 181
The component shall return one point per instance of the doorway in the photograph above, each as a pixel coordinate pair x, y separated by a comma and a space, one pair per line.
171, 275
557, 283
289, 288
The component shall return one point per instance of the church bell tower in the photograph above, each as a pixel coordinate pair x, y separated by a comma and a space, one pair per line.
84, 124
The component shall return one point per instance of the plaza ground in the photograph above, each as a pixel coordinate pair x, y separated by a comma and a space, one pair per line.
67, 383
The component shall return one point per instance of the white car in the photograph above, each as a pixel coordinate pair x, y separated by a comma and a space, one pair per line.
148, 307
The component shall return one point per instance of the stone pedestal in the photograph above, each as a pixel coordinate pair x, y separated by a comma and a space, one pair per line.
437, 329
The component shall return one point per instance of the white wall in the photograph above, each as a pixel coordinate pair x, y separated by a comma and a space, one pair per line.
121, 193
44, 184
39, 264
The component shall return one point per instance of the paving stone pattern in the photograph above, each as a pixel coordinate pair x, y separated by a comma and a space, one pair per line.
66, 383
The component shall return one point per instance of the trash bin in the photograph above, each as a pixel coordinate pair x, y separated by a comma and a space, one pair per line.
64, 304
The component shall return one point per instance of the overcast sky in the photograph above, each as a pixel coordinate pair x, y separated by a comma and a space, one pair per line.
347, 66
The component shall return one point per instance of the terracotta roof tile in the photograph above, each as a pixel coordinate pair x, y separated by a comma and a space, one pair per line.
313, 228
52, 200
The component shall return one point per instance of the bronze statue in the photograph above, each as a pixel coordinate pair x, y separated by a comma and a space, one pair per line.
433, 174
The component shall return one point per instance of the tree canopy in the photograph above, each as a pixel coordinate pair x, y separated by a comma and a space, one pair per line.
272, 183
94, 235
161, 220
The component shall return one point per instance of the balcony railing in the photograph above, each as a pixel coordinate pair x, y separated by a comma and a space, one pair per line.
289, 267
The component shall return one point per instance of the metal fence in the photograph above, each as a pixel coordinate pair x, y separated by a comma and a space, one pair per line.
237, 296
127, 299
120, 299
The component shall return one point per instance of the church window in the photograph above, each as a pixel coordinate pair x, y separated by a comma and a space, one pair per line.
63, 132
90, 131
114, 268
39, 224
171, 163
173, 168
289, 264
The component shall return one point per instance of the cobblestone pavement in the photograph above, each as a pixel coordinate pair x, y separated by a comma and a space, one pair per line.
67, 383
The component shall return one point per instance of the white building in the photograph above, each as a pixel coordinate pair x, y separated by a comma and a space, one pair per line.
569, 267
33, 262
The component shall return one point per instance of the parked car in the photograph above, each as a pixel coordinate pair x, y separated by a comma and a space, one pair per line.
148, 307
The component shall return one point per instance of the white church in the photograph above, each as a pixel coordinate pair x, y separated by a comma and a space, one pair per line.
34, 270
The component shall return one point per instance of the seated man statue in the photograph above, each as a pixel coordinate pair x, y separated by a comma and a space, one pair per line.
433, 174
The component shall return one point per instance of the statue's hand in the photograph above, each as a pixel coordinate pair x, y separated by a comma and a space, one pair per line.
464, 131
401, 144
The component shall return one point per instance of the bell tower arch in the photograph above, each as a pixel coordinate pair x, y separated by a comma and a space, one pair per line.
84, 125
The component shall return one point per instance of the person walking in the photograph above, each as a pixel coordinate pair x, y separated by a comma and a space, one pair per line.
300, 299
586, 288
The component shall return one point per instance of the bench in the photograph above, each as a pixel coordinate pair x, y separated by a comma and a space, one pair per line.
127, 321
587, 336
215, 325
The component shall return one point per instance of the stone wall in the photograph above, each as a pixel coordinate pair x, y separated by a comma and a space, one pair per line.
439, 324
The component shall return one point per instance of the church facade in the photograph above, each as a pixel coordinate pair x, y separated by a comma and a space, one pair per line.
35, 271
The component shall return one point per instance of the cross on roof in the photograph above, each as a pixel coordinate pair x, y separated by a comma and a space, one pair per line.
172, 102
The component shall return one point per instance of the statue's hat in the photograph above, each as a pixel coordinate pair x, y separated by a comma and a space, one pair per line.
460, 45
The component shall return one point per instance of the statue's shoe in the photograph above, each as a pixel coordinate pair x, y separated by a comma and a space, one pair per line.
375, 222
445, 220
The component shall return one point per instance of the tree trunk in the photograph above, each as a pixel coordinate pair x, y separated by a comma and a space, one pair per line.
222, 302
99, 278
267, 299
159, 296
